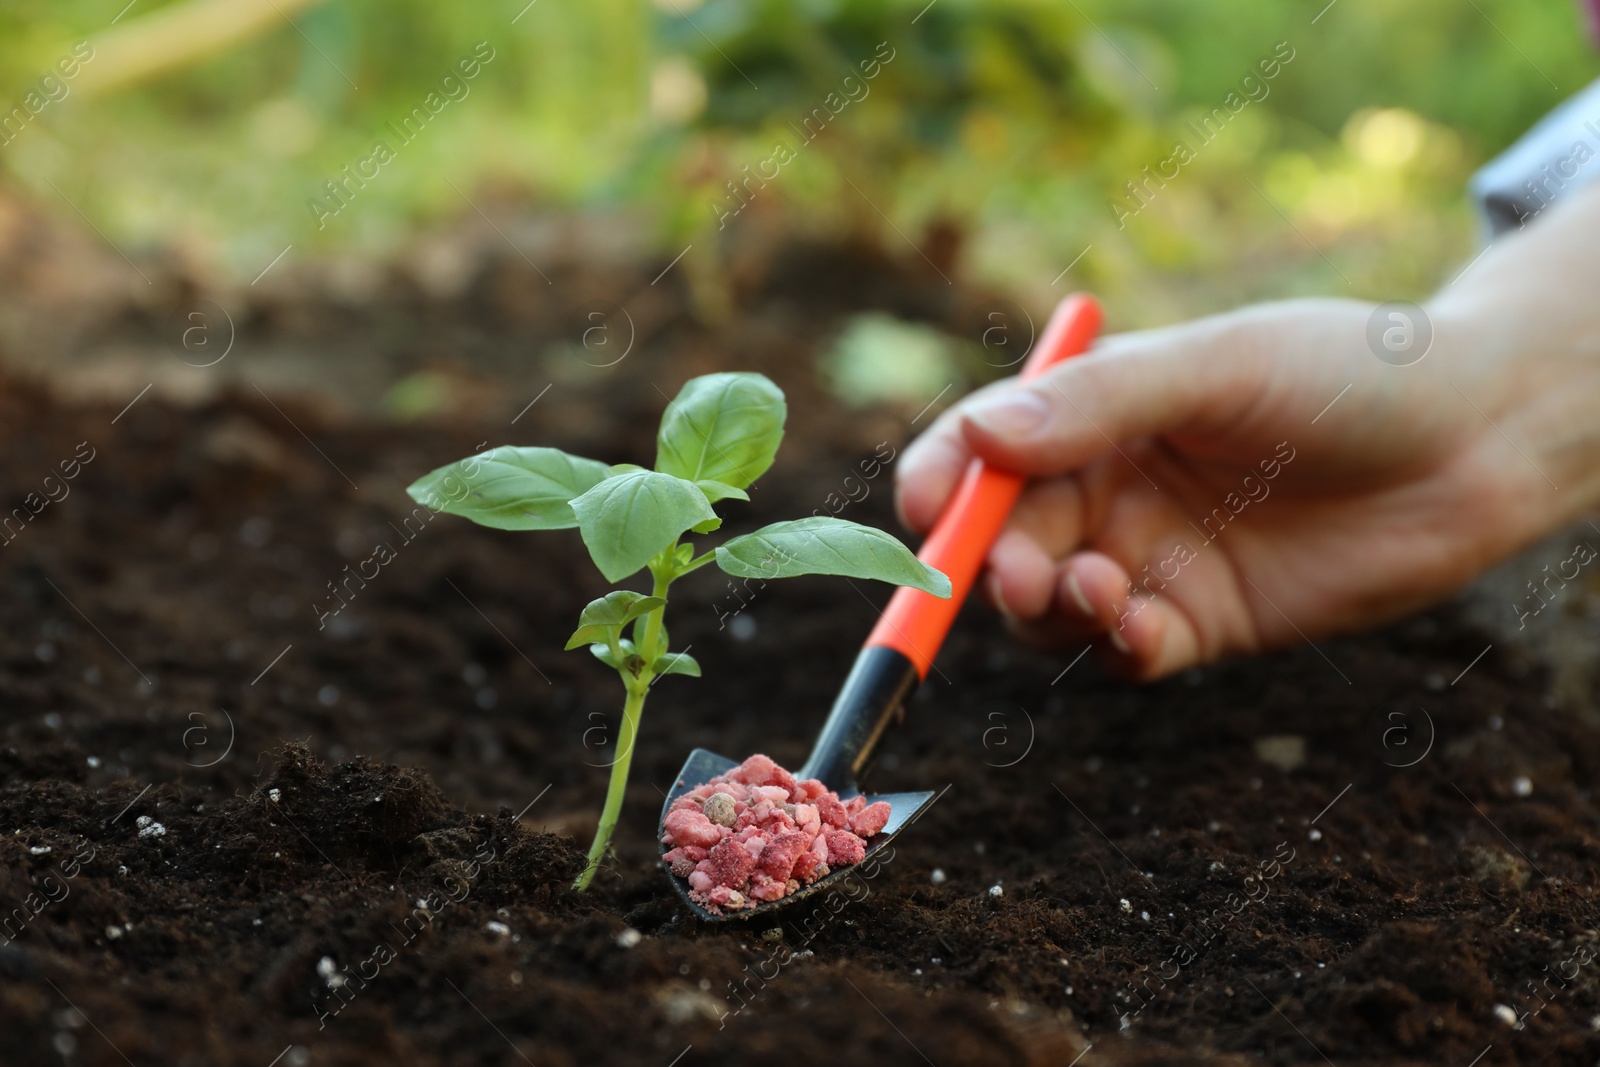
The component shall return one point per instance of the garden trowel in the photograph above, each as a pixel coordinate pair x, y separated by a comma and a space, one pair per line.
901, 648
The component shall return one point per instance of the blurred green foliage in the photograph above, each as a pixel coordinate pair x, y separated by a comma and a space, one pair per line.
1013, 123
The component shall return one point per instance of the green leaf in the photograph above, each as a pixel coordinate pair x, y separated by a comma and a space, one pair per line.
707, 526
630, 656
619, 606
683, 555
722, 428
676, 663
511, 488
628, 518
585, 635
825, 545
716, 491
609, 614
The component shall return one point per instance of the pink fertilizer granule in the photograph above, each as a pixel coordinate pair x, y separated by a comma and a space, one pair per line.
755, 835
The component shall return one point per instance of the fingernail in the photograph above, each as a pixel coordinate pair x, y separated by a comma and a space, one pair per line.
1077, 595
1012, 414
1117, 642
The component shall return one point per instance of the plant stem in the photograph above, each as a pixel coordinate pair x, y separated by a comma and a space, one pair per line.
638, 687
699, 561
652, 630
619, 781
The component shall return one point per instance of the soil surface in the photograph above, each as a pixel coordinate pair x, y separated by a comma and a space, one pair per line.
233, 834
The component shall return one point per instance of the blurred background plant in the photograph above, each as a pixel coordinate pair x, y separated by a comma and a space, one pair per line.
991, 144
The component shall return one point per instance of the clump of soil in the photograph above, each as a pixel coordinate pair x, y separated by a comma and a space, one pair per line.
364, 854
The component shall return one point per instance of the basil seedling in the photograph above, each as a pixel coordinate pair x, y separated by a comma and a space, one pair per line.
717, 437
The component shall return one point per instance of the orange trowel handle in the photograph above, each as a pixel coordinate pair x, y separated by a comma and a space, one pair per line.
915, 623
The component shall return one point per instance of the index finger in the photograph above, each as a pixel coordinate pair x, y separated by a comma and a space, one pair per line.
934, 463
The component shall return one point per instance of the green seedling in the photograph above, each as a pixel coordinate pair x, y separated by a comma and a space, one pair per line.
717, 437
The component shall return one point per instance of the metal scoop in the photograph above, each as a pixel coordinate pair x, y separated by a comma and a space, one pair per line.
900, 650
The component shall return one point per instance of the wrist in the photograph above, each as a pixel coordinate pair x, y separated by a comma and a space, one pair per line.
1521, 348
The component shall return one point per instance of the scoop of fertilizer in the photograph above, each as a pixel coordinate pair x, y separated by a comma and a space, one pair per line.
754, 835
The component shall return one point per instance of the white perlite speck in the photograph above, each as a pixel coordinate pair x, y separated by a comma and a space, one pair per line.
1507, 1016
629, 938
497, 928
329, 972
937, 877
148, 827
1126, 905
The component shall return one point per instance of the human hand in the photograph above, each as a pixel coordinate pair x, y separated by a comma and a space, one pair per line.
1259, 478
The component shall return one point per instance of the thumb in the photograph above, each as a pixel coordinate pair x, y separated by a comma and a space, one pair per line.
1200, 377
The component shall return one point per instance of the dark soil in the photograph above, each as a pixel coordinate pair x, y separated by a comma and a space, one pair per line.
354, 799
